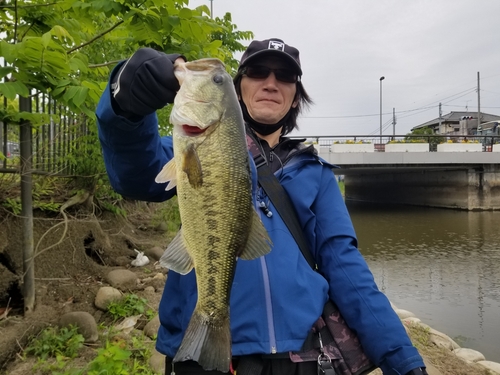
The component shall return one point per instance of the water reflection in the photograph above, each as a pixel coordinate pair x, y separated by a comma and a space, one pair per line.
443, 265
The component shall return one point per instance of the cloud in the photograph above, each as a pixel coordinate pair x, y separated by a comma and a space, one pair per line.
429, 51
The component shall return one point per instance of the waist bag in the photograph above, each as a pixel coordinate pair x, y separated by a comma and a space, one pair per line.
330, 342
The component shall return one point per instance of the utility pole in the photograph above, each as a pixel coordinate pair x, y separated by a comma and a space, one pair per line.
381, 79
440, 131
394, 121
211, 9
478, 102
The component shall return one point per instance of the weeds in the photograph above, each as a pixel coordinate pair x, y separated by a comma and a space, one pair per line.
130, 305
54, 342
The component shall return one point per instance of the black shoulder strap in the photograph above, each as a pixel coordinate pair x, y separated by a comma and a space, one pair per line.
281, 201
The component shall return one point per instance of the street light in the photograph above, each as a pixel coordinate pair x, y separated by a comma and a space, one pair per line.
381, 79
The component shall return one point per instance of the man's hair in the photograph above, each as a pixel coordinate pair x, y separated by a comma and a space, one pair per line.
301, 96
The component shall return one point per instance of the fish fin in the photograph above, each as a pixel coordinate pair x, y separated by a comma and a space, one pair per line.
192, 167
176, 256
168, 174
258, 243
207, 343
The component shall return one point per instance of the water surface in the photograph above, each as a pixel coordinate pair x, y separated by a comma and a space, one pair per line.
441, 264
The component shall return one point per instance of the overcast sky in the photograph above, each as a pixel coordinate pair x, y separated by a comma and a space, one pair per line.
429, 52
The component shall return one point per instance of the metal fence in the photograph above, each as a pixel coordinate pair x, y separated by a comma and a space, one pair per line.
52, 142
487, 142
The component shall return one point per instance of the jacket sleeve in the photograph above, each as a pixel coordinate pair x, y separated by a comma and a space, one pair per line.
133, 151
352, 286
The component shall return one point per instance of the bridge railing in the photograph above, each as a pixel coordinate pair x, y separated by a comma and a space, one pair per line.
488, 143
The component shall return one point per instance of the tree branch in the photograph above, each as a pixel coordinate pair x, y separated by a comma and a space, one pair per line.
27, 6
96, 37
104, 64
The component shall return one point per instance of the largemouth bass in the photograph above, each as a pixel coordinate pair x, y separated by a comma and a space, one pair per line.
211, 170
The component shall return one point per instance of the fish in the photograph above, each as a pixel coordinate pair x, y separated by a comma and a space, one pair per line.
219, 225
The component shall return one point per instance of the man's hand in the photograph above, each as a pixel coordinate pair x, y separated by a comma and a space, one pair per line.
145, 83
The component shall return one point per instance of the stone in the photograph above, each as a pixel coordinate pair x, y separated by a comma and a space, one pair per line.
404, 314
469, 355
411, 320
442, 340
151, 328
122, 279
154, 253
489, 365
105, 295
157, 362
85, 322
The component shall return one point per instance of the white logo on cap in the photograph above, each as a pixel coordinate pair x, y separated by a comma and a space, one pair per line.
273, 44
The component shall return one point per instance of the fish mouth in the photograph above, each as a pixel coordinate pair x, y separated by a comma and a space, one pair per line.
192, 131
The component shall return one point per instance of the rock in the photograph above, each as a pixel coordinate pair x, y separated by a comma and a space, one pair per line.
154, 253
122, 279
160, 276
492, 366
85, 322
411, 320
157, 362
105, 296
404, 314
149, 290
151, 328
442, 340
469, 355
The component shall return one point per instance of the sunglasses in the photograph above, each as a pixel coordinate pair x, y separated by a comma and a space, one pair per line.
262, 72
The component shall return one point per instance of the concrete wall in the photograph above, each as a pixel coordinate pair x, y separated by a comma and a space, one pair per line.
469, 189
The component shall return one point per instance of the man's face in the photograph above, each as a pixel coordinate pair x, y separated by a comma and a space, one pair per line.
268, 99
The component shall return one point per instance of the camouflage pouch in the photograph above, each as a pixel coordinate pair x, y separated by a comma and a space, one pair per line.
331, 341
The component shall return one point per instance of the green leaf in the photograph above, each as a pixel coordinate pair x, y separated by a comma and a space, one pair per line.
5, 70
8, 51
185, 13
80, 96
174, 20
46, 39
11, 89
61, 33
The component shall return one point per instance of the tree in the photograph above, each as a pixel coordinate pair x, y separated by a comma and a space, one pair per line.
62, 51
66, 48
425, 134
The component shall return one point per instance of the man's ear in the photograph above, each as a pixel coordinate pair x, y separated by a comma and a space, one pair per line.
295, 103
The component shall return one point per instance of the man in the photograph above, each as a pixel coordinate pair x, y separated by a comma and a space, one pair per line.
275, 299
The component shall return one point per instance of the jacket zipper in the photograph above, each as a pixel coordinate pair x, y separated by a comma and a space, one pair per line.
269, 307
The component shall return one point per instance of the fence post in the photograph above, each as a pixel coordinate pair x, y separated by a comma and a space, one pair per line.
27, 208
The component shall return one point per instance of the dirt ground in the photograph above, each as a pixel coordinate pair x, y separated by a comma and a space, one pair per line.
67, 276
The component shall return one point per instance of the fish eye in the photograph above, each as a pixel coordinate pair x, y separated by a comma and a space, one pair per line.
218, 79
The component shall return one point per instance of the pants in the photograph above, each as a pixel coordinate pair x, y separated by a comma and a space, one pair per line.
247, 365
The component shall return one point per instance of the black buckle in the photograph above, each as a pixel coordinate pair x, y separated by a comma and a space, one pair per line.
325, 365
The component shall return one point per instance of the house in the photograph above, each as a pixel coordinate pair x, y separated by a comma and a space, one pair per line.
457, 123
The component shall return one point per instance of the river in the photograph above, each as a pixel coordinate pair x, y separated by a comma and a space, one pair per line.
443, 265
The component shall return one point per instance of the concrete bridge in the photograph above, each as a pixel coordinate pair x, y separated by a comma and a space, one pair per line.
461, 180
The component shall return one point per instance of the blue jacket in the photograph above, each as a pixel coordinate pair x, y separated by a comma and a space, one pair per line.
274, 299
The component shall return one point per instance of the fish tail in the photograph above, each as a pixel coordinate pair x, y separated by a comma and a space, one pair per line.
207, 343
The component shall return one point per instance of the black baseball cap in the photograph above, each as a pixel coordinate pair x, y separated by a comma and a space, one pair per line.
272, 46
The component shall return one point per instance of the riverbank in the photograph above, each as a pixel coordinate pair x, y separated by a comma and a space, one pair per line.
431, 343
70, 275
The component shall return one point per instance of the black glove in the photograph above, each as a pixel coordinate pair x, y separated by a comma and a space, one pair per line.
145, 83
418, 371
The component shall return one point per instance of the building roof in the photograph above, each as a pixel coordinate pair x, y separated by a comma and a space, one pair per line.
455, 117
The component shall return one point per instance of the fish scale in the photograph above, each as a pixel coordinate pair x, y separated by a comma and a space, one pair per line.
211, 170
